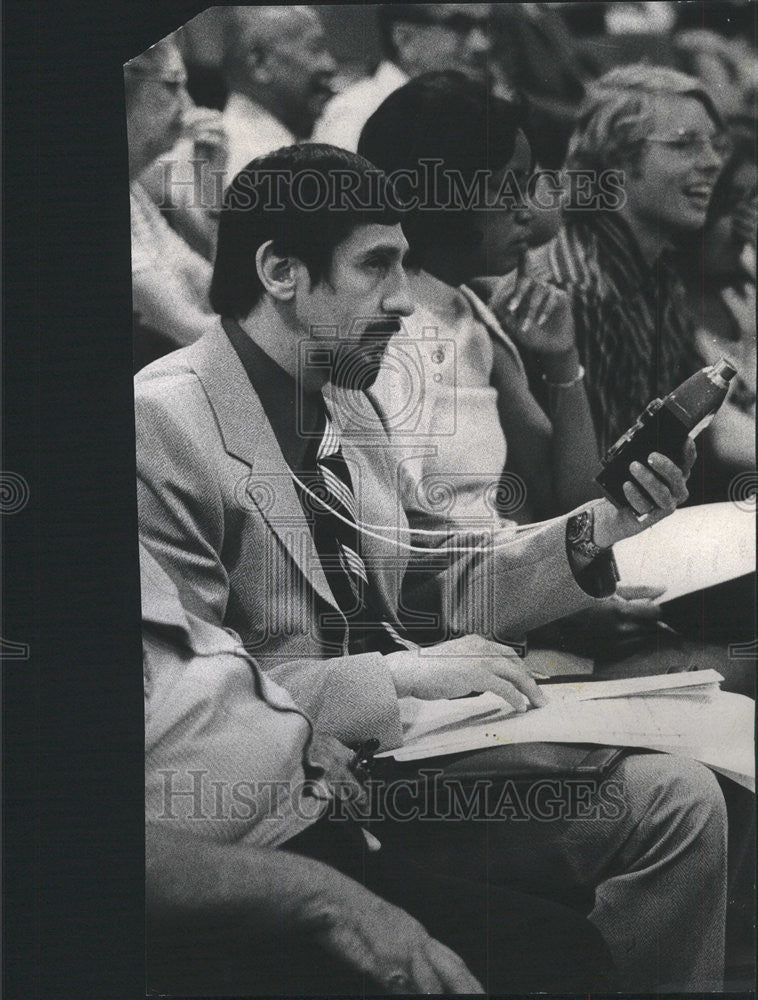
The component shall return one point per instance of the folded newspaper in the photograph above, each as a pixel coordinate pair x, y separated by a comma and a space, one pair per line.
686, 714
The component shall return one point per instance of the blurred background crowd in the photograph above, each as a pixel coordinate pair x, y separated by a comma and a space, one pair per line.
236, 83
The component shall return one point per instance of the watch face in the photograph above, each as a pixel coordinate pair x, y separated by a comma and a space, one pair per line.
577, 526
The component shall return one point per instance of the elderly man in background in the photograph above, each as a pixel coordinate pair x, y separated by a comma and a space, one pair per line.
416, 38
170, 280
279, 71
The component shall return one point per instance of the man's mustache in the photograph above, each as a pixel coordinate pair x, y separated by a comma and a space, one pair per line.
381, 327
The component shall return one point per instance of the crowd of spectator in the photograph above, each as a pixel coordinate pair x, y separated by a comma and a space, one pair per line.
610, 256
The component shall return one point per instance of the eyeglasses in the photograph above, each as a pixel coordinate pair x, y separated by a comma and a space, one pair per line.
692, 144
463, 24
459, 22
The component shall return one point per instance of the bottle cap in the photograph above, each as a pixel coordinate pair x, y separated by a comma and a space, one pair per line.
725, 369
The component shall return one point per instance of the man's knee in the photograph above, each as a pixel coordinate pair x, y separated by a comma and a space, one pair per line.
677, 791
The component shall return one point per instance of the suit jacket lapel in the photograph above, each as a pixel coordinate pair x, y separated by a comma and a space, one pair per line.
248, 436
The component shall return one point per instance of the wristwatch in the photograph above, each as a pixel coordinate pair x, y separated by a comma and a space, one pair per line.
594, 568
579, 541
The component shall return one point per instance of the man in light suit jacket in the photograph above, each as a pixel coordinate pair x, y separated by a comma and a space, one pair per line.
270, 500
258, 882
223, 425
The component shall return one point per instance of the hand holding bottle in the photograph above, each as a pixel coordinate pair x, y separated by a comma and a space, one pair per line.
663, 428
652, 492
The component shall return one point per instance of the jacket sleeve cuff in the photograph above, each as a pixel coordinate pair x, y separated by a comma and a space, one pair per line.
599, 579
350, 697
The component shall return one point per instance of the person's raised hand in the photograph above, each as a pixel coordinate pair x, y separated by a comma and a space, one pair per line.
537, 315
204, 127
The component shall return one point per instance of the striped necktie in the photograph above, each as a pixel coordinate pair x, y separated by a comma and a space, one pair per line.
367, 628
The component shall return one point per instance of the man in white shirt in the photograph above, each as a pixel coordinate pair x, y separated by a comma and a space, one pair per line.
416, 38
279, 72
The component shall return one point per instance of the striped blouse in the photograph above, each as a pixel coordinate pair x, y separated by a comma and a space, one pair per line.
634, 333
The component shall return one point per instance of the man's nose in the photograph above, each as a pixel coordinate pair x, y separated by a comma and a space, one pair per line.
327, 64
186, 103
709, 159
398, 300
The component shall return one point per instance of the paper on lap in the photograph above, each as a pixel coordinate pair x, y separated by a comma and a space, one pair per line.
421, 717
692, 718
628, 686
694, 548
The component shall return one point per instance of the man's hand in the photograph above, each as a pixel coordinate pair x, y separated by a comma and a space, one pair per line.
235, 884
204, 127
652, 493
335, 758
611, 629
384, 942
456, 668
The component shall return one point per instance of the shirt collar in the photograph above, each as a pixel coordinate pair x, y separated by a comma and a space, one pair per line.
276, 388
254, 115
390, 77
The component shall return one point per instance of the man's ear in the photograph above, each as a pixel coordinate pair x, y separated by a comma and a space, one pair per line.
278, 274
256, 62
403, 40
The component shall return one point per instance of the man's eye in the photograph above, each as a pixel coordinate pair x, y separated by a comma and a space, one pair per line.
378, 264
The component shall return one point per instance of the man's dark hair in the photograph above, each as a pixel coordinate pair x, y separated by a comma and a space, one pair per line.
290, 198
449, 117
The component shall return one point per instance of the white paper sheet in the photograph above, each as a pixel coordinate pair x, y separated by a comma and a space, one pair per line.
714, 727
422, 718
694, 548
626, 686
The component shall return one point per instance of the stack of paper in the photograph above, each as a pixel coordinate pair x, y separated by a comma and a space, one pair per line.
684, 714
